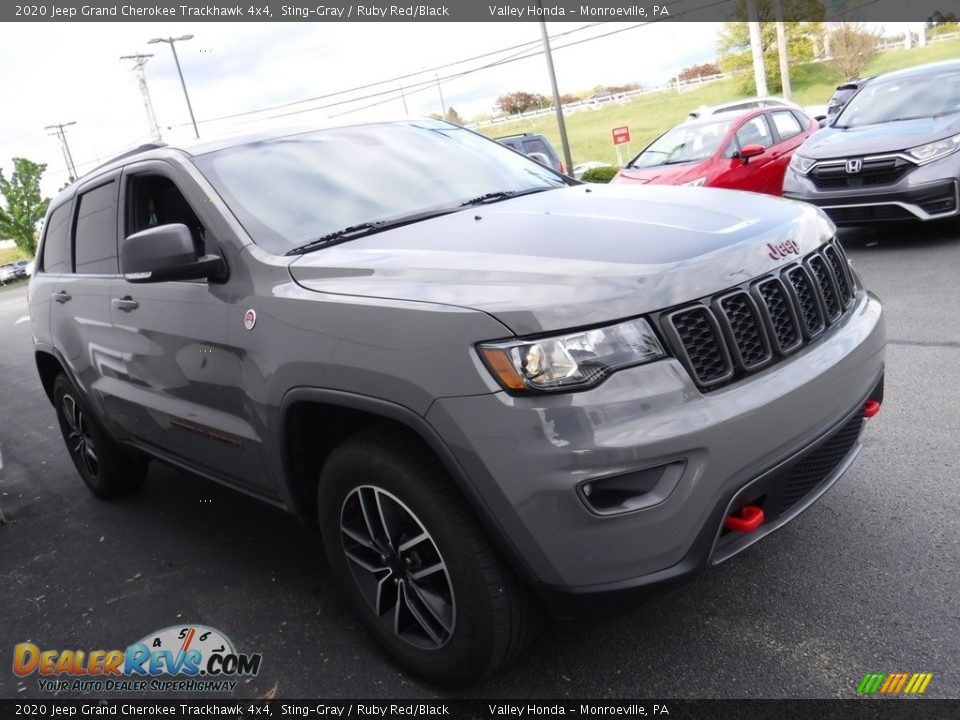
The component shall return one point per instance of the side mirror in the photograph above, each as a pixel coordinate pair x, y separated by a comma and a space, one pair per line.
540, 158
749, 151
164, 253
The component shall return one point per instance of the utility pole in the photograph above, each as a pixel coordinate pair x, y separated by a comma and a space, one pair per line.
782, 50
138, 63
561, 125
58, 132
404, 98
443, 105
171, 41
759, 72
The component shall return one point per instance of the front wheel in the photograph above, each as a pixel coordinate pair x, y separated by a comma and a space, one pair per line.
104, 466
407, 552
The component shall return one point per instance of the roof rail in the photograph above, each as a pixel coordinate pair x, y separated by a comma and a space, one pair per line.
130, 153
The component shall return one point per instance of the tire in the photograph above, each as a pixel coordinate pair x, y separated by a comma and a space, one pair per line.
462, 614
106, 468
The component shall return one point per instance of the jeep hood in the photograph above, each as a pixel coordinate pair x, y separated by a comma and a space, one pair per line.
835, 142
573, 256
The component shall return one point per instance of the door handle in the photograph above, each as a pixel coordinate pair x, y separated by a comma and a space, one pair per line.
125, 303
62, 297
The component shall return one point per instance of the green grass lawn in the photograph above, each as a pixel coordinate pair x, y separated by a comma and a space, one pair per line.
650, 115
9, 255
15, 284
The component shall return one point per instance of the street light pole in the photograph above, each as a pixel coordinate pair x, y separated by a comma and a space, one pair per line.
556, 95
171, 41
443, 105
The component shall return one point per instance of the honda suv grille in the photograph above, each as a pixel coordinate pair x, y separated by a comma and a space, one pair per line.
833, 174
724, 338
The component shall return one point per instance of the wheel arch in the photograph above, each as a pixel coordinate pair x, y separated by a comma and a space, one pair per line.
48, 366
302, 452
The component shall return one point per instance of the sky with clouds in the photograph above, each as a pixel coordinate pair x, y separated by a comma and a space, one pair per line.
58, 72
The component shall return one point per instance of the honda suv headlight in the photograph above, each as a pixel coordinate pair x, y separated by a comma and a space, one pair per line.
573, 360
801, 164
924, 154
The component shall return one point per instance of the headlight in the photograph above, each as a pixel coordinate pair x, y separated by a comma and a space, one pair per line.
935, 150
574, 360
696, 183
801, 164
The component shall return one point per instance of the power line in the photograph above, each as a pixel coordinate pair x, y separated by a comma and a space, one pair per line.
525, 45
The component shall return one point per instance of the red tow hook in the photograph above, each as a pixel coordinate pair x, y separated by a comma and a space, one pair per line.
871, 408
749, 519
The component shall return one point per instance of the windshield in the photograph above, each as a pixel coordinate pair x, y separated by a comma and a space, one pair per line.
291, 190
909, 98
683, 144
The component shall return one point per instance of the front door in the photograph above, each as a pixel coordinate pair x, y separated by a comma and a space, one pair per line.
181, 389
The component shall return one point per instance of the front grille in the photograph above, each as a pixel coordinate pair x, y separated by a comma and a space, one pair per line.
875, 172
819, 463
701, 343
867, 213
806, 300
723, 338
745, 329
827, 286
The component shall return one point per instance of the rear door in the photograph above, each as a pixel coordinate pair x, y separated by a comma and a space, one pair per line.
79, 284
790, 131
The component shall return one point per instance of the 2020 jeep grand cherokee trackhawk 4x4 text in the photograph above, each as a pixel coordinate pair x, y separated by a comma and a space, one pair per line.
492, 386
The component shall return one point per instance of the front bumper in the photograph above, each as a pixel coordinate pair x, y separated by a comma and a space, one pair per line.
929, 192
528, 457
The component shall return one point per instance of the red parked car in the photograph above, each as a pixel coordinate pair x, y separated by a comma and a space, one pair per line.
743, 150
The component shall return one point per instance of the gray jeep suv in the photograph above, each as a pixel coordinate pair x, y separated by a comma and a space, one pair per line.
492, 388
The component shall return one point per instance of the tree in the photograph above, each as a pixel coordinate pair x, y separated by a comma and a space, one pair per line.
733, 46
697, 71
517, 102
852, 46
454, 117
23, 204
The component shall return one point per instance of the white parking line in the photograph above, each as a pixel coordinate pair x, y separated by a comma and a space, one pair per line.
24, 319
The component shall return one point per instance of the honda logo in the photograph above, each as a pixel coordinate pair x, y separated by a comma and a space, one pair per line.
854, 166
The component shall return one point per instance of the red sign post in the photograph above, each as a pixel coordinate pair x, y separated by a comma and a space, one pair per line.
621, 136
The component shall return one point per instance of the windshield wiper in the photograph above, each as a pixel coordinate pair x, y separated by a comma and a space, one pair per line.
503, 195
367, 228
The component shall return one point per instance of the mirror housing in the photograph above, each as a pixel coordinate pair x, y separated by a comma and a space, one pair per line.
164, 253
749, 151
540, 158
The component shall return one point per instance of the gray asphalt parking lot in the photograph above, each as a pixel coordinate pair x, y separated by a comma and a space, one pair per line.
865, 581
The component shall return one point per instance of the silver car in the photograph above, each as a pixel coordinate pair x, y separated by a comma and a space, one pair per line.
493, 389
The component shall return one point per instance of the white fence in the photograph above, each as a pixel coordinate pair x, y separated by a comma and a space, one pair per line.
588, 104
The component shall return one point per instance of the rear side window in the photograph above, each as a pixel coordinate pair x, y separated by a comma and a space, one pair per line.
536, 145
786, 124
56, 244
95, 240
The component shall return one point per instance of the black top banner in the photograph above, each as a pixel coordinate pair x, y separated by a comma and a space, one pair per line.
478, 10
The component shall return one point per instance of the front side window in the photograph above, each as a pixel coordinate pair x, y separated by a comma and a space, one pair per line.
95, 239
154, 200
56, 244
755, 132
288, 191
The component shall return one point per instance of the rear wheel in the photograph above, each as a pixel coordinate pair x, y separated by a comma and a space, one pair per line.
407, 552
106, 468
